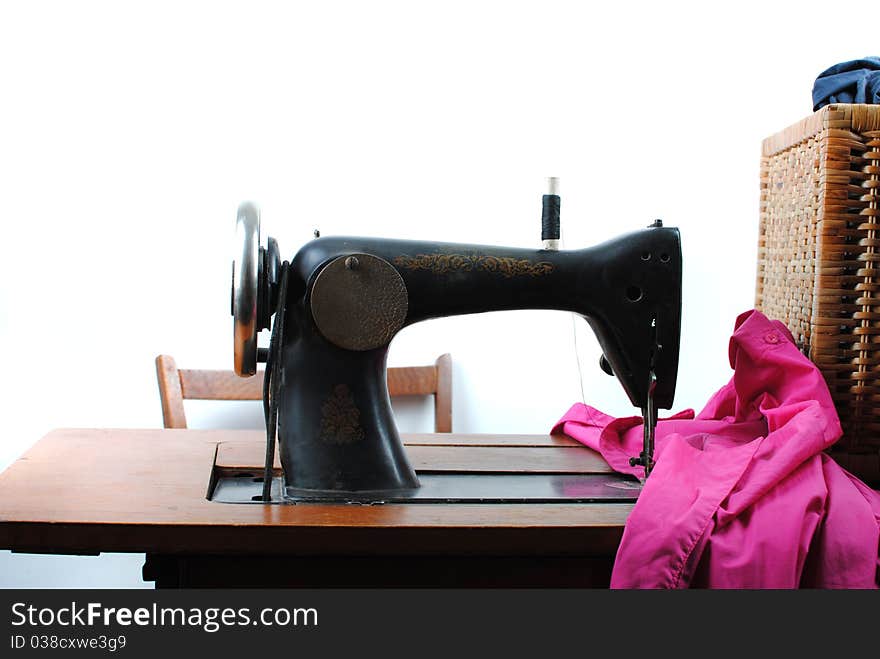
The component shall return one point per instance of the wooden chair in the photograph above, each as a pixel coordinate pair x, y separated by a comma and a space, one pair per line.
177, 385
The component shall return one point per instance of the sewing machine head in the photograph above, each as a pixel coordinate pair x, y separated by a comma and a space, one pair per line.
341, 300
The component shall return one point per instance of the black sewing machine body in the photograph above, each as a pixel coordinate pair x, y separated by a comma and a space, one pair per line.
345, 299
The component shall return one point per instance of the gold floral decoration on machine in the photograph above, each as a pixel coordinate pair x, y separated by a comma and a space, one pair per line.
444, 263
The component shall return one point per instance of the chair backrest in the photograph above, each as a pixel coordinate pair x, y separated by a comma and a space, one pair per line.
177, 385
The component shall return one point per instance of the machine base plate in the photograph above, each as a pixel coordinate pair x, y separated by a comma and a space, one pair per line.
446, 488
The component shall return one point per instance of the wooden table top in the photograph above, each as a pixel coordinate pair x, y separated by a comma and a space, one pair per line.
93, 490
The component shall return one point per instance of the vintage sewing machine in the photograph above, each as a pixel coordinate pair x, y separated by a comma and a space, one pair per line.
341, 300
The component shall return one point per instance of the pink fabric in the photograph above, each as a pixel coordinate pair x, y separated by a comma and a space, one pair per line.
742, 495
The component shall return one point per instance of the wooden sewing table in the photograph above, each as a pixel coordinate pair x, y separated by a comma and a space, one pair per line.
86, 491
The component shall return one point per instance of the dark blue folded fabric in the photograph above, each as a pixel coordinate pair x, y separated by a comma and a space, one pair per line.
857, 81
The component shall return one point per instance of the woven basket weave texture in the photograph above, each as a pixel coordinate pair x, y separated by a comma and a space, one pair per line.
819, 261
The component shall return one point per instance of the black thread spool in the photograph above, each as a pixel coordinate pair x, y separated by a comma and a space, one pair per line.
550, 211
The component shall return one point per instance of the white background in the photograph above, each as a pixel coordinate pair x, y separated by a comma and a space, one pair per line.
129, 133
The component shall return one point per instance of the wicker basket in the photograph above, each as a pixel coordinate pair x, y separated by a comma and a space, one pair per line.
819, 261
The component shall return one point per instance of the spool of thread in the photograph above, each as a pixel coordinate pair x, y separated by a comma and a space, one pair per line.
550, 215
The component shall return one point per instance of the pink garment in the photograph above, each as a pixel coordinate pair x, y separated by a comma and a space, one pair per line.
742, 496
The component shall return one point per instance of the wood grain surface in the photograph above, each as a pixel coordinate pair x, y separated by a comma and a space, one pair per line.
88, 491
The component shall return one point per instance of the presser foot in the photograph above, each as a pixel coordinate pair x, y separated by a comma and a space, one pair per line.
649, 415
643, 460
